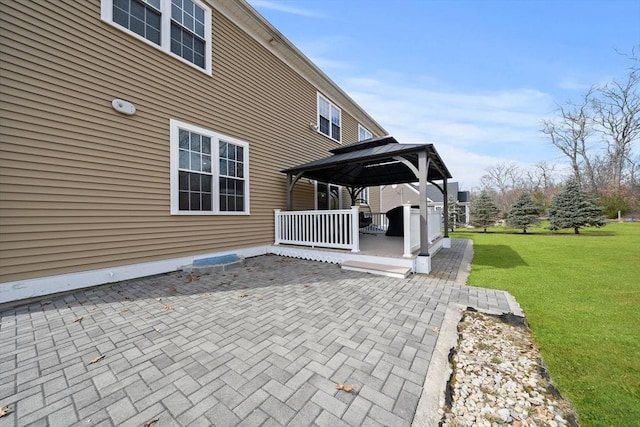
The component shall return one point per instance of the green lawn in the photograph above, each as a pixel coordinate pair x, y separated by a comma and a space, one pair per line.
581, 296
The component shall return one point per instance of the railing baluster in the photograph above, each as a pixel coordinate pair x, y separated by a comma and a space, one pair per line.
306, 227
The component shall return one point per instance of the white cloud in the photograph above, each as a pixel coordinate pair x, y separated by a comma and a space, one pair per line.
573, 85
321, 53
471, 131
467, 167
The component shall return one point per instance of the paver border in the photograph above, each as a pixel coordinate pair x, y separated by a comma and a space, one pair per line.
429, 411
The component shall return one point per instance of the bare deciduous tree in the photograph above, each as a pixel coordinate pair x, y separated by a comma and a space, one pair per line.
571, 134
505, 181
541, 182
600, 136
617, 113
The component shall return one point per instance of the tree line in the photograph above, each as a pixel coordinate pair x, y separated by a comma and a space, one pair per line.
570, 208
599, 136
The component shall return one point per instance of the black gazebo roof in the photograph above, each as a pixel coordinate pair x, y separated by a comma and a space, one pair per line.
373, 162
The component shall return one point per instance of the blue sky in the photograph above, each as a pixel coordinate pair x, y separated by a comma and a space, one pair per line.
474, 77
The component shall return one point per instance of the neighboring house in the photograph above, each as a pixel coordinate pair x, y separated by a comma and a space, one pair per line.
137, 136
395, 195
463, 198
398, 194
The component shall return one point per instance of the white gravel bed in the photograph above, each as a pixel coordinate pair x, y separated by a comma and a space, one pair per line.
499, 379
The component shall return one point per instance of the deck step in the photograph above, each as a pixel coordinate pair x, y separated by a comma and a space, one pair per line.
378, 269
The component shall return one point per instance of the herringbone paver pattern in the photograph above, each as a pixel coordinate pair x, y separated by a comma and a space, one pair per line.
262, 345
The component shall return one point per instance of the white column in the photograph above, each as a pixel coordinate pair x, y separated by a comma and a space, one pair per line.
406, 232
423, 261
355, 228
423, 169
277, 226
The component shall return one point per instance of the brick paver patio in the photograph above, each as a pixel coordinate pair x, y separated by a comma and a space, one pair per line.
261, 345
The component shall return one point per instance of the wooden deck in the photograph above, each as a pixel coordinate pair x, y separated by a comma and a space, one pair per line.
374, 249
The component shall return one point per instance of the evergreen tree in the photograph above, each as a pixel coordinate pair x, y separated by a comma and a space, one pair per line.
484, 211
523, 213
572, 208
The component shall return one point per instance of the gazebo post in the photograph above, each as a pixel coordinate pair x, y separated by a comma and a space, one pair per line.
446, 242
423, 262
289, 192
354, 192
446, 208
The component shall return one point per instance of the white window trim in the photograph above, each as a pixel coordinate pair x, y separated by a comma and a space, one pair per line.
175, 126
106, 14
331, 104
360, 127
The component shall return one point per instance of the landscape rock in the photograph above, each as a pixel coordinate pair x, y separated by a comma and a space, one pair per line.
497, 378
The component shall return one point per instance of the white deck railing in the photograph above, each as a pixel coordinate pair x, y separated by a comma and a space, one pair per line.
434, 226
328, 229
339, 229
411, 224
379, 224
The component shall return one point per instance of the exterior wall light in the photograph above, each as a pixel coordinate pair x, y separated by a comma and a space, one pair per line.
124, 107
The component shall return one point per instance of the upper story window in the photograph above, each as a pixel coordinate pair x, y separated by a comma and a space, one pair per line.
329, 119
141, 17
181, 28
363, 133
209, 172
188, 38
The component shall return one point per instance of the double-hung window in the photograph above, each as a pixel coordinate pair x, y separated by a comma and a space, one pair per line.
209, 172
181, 28
329, 119
363, 133
188, 39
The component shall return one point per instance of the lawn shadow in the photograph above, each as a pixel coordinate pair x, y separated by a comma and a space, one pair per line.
498, 256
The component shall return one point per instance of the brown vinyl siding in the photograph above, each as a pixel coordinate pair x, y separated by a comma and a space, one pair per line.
345, 199
83, 187
349, 129
374, 199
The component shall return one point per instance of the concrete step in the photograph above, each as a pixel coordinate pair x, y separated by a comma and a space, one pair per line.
378, 269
